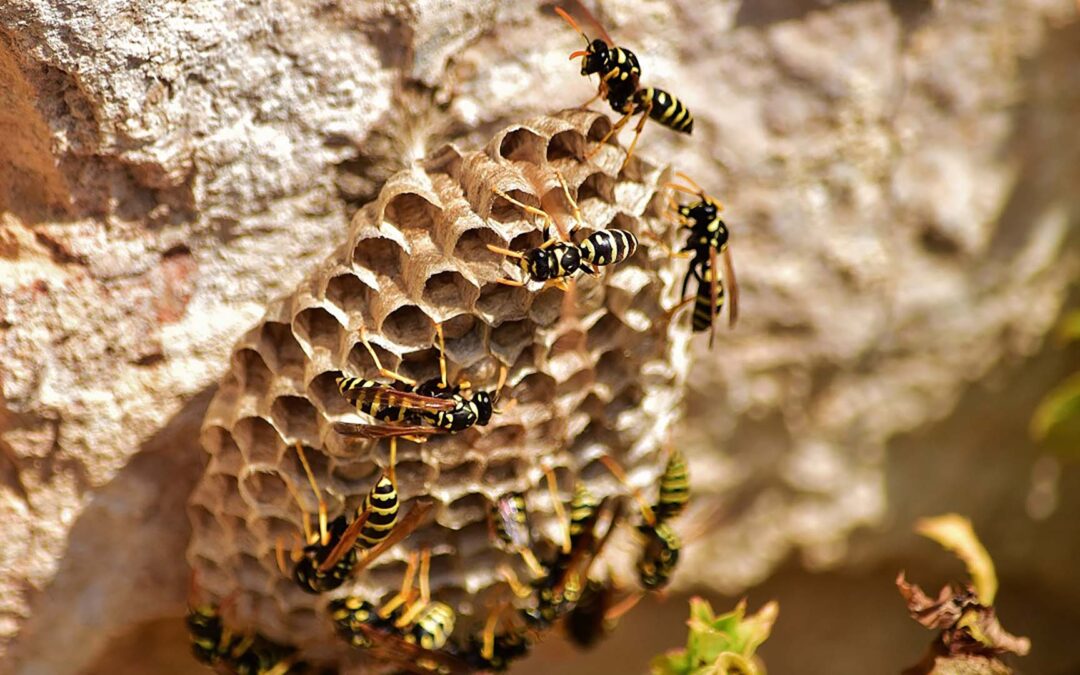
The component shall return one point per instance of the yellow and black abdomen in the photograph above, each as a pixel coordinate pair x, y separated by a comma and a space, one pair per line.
703, 310
608, 247
372, 398
674, 488
433, 627
382, 504
665, 109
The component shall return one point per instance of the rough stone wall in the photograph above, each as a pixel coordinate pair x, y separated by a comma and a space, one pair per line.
899, 177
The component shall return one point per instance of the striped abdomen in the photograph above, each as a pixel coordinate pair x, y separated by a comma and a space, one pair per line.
607, 247
372, 398
703, 311
674, 488
583, 508
665, 109
433, 627
382, 504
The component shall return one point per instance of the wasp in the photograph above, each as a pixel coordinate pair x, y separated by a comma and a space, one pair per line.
432, 407
558, 259
660, 550
620, 75
596, 613
707, 238
215, 645
508, 523
340, 548
492, 650
411, 633
557, 589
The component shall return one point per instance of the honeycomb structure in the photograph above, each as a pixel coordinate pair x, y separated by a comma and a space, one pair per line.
597, 369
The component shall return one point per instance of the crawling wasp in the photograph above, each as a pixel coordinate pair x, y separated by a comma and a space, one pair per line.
214, 644
707, 238
597, 612
340, 549
558, 259
432, 407
410, 633
620, 86
660, 551
557, 590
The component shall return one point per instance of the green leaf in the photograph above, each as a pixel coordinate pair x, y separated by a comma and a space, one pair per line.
1069, 331
1057, 418
720, 645
956, 534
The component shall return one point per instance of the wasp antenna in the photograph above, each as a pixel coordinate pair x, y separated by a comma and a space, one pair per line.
573, 24
599, 26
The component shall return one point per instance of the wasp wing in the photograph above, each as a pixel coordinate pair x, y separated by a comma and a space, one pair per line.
377, 431
389, 397
404, 528
732, 288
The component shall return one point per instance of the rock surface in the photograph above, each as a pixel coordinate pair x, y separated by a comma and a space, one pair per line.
899, 177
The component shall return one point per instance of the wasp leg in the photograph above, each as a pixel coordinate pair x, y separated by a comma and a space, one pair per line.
637, 134
620, 474
525, 207
323, 535
393, 461
557, 507
519, 589
442, 354
421, 604
574, 207
385, 372
406, 589
611, 132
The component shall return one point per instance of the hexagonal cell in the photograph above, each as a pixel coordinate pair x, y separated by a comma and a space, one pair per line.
408, 210
295, 418
535, 388
449, 289
598, 128
523, 145
356, 476
380, 255
280, 349
264, 487
569, 143
253, 373
414, 477
465, 473
605, 333
216, 439
504, 211
500, 438
323, 390
510, 338
596, 185
509, 472
258, 440
464, 510
546, 307
360, 364
408, 325
349, 294
498, 302
472, 246
318, 329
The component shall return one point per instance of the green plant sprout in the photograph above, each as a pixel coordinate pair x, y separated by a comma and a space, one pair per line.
720, 645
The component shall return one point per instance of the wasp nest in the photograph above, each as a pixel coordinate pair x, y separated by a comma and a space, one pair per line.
590, 371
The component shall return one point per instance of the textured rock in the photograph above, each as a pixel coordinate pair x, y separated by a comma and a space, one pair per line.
899, 178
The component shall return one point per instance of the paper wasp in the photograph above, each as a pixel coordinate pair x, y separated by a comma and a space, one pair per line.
620, 86
559, 258
408, 632
556, 591
340, 549
432, 407
707, 239
215, 645
660, 551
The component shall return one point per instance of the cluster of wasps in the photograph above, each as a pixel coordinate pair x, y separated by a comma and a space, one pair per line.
411, 630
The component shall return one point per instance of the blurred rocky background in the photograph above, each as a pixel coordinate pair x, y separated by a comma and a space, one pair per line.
900, 178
